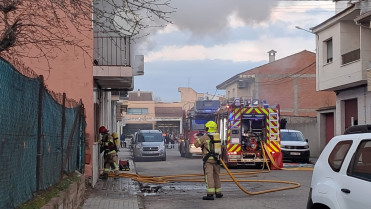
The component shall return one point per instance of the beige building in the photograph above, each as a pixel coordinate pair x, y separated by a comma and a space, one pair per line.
343, 63
140, 111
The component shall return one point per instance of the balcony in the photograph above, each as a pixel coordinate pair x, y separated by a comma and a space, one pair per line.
112, 69
351, 56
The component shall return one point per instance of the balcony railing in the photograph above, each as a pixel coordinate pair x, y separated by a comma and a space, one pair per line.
351, 56
111, 50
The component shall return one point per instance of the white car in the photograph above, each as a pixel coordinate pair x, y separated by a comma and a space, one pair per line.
342, 174
294, 146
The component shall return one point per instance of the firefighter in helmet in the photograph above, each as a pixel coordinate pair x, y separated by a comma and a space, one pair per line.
210, 145
109, 148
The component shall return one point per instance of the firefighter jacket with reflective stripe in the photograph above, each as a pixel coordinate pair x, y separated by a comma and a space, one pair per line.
108, 145
209, 150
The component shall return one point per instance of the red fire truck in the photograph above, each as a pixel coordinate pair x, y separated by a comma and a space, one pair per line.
194, 122
246, 127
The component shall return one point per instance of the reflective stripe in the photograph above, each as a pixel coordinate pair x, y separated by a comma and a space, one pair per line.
218, 190
210, 190
116, 166
112, 152
198, 140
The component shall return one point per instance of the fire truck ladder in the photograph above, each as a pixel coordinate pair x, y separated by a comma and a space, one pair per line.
273, 124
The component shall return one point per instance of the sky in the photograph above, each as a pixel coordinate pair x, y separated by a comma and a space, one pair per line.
211, 41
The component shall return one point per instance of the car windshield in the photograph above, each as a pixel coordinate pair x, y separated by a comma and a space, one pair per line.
292, 136
150, 137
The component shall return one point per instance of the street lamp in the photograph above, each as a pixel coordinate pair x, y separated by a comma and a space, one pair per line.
300, 28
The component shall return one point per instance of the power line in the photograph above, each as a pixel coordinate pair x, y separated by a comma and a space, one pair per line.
287, 77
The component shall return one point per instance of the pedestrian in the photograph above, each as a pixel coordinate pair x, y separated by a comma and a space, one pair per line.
122, 141
210, 145
109, 148
167, 141
172, 141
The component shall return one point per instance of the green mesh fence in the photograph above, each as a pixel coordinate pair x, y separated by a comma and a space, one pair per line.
41, 139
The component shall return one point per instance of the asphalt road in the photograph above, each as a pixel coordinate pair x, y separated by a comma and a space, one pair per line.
189, 194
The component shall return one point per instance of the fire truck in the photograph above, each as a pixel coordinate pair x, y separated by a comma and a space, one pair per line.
249, 131
194, 122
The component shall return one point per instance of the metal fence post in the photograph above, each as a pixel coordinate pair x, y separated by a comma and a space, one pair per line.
62, 131
39, 134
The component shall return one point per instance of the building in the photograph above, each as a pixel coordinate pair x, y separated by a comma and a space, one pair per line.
113, 73
289, 82
142, 112
343, 63
98, 76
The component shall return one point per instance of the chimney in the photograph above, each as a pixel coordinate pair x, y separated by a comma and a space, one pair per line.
138, 92
340, 5
272, 56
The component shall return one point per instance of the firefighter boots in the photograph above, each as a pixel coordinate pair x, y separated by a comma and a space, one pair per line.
208, 197
218, 195
104, 176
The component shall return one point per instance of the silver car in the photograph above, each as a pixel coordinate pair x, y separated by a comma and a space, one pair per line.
149, 144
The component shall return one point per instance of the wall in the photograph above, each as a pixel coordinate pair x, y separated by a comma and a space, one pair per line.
71, 72
70, 198
364, 107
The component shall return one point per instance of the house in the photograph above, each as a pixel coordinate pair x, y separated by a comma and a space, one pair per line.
343, 63
289, 82
98, 75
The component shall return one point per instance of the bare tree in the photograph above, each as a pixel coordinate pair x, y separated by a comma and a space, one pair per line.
45, 25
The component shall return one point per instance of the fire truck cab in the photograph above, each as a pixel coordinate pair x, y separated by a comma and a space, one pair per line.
250, 131
194, 123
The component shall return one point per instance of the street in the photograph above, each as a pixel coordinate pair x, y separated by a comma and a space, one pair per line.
189, 194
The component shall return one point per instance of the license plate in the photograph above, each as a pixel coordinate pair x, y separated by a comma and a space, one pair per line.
294, 153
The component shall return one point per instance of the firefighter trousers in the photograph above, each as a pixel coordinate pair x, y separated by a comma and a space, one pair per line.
212, 180
110, 161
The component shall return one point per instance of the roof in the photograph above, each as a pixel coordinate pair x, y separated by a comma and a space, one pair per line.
140, 96
350, 13
287, 65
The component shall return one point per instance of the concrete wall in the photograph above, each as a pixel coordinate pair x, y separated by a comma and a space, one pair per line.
308, 126
71, 198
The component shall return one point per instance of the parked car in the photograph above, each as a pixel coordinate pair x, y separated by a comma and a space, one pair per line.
149, 144
342, 174
294, 146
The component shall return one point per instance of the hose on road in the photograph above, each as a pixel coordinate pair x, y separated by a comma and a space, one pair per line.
191, 177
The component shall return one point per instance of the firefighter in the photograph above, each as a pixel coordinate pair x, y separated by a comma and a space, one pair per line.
210, 143
109, 148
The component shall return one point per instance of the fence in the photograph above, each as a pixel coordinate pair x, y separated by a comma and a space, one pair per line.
42, 135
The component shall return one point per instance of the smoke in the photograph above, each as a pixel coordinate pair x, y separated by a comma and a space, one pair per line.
210, 17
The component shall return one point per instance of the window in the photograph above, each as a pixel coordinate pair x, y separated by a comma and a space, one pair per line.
360, 166
137, 111
329, 53
338, 154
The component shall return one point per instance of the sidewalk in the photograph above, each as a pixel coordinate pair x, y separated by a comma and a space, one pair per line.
116, 193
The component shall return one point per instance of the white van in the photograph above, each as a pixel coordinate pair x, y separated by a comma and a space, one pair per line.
294, 146
149, 144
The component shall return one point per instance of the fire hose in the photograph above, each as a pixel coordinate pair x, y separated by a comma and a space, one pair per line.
186, 177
